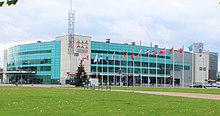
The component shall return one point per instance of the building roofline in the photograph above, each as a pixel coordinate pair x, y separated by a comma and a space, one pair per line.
31, 43
126, 43
74, 35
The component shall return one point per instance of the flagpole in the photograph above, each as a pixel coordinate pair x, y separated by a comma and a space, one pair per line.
107, 72
114, 72
141, 70
120, 74
132, 56
173, 68
96, 66
148, 79
102, 69
183, 68
192, 64
165, 69
133, 75
127, 69
156, 69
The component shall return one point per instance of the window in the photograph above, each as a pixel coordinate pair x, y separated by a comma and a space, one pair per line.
30, 52
200, 68
204, 69
45, 68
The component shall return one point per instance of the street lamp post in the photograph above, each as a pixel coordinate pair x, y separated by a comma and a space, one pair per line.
21, 76
21, 73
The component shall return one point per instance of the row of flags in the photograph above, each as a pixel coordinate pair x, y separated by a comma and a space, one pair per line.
162, 51
147, 53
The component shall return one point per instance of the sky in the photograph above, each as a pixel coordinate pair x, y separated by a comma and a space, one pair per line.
167, 23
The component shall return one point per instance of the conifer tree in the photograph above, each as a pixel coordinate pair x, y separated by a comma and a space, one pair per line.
80, 77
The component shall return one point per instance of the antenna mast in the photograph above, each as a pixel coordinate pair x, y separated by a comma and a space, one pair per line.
71, 26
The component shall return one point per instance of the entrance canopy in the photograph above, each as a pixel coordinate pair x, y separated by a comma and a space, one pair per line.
20, 72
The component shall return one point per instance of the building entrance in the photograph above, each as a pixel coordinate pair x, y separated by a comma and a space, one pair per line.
24, 79
35, 81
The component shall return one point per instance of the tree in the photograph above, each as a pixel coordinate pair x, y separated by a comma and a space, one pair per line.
1, 4
80, 77
9, 2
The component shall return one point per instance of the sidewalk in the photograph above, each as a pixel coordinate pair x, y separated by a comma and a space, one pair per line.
180, 94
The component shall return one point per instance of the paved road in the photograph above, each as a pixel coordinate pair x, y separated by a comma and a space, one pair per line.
181, 94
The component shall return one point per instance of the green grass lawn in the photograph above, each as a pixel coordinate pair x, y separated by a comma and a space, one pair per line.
187, 90
75, 102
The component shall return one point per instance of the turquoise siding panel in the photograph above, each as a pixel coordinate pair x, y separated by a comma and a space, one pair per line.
44, 58
121, 49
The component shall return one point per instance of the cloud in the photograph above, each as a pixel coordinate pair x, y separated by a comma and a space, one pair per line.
164, 22
133, 30
11, 30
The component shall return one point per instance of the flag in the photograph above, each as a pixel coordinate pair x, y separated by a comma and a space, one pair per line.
181, 50
139, 54
154, 52
85, 58
100, 58
190, 47
113, 56
200, 46
79, 58
96, 58
171, 50
147, 53
163, 51
125, 55
132, 55
106, 57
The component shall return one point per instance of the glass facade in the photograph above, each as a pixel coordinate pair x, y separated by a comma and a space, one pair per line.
41, 57
125, 67
213, 65
44, 59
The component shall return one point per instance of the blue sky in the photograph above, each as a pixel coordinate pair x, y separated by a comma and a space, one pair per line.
164, 22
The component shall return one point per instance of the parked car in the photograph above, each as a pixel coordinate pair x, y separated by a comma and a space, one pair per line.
208, 85
218, 85
214, 85
197, 86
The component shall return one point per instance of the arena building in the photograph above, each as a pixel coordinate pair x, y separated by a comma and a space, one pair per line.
112, 63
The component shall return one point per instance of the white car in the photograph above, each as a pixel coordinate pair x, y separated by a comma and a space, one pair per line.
197, 86
208, 85
214, 85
